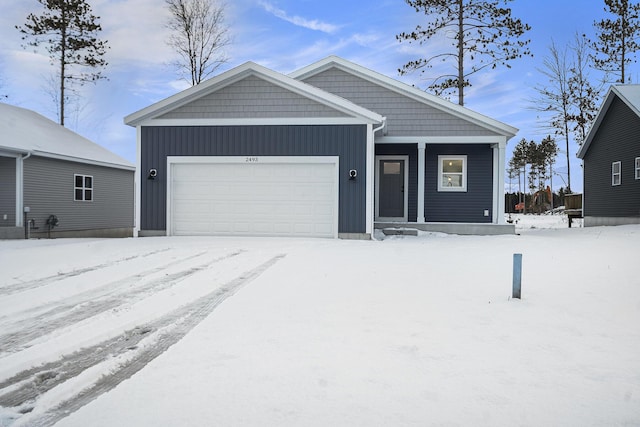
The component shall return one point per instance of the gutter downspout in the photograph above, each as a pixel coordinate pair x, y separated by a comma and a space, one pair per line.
382, 126
371, 167
20, 188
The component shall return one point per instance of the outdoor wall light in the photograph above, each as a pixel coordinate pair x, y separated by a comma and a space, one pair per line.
152, 173
353, 173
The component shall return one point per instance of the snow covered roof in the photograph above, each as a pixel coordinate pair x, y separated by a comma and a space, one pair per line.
24, 131
629, 94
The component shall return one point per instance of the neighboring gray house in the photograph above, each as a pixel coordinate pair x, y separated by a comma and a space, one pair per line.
54, 171
332, 150
611, 160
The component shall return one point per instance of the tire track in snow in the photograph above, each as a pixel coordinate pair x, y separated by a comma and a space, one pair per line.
87, 306
36, 283
23, 390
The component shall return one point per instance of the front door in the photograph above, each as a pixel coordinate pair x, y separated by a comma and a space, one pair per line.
391, 189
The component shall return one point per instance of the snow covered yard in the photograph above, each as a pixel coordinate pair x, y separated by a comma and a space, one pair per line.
404, 331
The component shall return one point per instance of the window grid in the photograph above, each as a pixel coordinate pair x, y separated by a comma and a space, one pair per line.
616, 168
637, 167
82, 188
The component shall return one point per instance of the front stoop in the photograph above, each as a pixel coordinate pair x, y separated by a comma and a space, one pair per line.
451, 227
400, 231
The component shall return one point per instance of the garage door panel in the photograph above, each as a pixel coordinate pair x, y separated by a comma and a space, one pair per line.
287, 199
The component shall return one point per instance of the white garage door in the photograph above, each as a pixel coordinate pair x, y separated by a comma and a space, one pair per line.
253, 196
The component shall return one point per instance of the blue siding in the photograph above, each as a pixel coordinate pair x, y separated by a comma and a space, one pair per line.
616, 140
346, 141
460, 207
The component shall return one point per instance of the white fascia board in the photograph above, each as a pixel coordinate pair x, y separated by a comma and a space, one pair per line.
406, 90
256, 121
630, 95
621, 91
14, 154
494, 139
241, 72
186, 95
82, 160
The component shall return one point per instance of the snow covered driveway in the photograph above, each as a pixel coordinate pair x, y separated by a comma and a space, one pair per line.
405, 331
101, 310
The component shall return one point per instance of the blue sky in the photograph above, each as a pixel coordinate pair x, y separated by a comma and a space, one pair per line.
283, 35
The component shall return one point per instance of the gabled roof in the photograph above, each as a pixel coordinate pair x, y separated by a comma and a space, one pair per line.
406, 90
629, 94
251, 69
24, 131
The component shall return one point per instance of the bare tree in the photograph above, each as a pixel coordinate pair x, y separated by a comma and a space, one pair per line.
199, 37
555, 96
484, 35
584, 96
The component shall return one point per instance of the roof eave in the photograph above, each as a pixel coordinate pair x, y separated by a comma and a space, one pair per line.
84, 160
240, 72
407, 90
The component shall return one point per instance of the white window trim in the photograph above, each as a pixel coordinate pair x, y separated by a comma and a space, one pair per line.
83, 188
637, 167
462, 189
614, 174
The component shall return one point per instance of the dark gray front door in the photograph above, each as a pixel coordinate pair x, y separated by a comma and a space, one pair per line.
391, 189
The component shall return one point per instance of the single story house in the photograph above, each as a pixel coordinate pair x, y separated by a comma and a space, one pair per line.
611, 160
332, 150
56, 174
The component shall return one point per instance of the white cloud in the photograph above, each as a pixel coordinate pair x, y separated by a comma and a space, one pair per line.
135, 30
314, 24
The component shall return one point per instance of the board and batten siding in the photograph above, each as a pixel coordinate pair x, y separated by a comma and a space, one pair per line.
252, 97
617, 139
405, 116
466, 206
7, 192
49, 190
348, 142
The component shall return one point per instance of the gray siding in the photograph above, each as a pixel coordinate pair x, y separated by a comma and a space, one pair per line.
405, 116
347, 142
410, 150
7, 191
49, 190
252, 97
617, 139
460, 207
